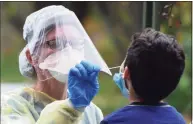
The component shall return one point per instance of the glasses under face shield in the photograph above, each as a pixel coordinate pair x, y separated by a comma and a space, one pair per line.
59, 43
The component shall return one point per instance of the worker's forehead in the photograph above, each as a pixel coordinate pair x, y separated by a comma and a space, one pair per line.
67, 31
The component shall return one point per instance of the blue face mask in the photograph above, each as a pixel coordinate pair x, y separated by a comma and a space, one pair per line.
120, 82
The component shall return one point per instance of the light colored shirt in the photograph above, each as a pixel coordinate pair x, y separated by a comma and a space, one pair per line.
27, 106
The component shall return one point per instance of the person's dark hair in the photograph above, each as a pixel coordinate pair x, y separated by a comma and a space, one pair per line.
156, 62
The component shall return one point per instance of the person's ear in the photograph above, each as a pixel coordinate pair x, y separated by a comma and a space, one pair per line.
126, 74
28, 56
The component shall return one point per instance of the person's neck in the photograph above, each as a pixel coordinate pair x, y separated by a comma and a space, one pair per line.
52, 88
133, 98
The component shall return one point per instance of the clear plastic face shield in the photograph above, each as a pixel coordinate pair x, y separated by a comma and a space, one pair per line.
60, 42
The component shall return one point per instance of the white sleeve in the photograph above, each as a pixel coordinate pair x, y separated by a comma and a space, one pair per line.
99, 115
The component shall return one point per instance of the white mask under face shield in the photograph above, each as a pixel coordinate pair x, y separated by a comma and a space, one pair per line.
60, 63
59, 42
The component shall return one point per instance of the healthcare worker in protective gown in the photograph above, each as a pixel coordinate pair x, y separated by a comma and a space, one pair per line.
150, 72
63, 62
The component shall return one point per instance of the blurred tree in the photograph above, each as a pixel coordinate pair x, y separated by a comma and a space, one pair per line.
80, 8
122, 20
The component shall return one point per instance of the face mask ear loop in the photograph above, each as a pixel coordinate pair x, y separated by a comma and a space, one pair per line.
49, 78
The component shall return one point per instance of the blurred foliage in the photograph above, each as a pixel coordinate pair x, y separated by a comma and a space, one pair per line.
110, 26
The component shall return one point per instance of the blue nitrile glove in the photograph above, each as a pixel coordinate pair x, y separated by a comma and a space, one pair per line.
120, 82
83, 83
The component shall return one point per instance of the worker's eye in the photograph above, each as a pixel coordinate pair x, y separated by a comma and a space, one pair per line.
51, 44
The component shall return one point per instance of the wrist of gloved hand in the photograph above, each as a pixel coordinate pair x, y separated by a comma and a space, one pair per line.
82, 98
80, 109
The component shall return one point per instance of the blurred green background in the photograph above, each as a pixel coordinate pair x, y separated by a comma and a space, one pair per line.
110, 26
